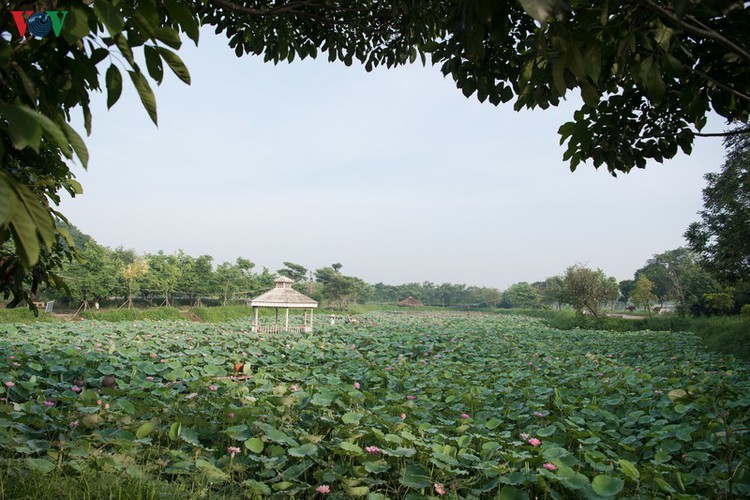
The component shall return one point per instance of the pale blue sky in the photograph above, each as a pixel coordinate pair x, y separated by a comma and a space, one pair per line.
394, 173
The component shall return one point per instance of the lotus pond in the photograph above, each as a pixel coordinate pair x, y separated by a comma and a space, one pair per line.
402, 405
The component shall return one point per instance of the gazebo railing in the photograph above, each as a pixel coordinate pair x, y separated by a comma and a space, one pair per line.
272, 329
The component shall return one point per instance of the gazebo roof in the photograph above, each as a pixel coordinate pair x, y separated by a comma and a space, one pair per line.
283, 296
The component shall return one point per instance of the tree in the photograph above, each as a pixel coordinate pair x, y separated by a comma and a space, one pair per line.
340, 288
643, 295
626, 289
131, 272
164, 274
648, 72
293, 271
722, 237
522, 295
554, 291
94, 276
588, 289
197, 276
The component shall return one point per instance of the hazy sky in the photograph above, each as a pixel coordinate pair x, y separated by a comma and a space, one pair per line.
394, 173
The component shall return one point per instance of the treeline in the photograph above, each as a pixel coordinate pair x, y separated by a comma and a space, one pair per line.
122, 277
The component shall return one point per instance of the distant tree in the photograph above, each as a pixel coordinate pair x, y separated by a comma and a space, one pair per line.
293, 271
197, 277
94, 276
490, 297
337, 267
626, 289
554, 291
722, 237
523, 296
587, 289
643, 295
338, 288
131, 272
164, 274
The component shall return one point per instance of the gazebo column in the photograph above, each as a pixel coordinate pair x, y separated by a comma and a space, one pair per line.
311, 320
286, 321
277, 316
255, 328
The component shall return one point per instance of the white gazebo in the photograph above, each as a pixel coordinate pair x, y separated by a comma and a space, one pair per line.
284, 297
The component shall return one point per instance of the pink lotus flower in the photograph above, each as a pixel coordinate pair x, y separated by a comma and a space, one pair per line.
439, 489
99, 401
323, 489
9, 384
153, 354
49, 403
534, 442
464, 415
372, 450
106, 406
213, 387
294, 388
411, 398
403, 416
75, 389
233, 450
230, 415
150, 378
73, 424
524, 436
550, 466
356, 385
539, 414
387, 368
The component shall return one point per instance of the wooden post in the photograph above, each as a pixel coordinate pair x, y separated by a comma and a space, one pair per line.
256, 318
311, 320
277, 316
286, 321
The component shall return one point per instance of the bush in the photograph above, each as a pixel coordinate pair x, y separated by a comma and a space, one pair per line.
745, 311
115, 315
222, 314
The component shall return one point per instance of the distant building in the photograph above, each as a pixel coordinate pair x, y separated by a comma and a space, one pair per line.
410, 302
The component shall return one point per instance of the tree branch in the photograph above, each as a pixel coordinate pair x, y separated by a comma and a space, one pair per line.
729, 133
694, 30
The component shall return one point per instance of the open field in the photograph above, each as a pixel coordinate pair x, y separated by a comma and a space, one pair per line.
402, 405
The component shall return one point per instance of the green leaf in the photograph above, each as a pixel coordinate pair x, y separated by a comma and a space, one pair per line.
190, 436
303, 451
40, 465
351, 418
6, 199
185, 18
512, 493
174, 431
255, 445
607, 486
114, 85
145, 429
212, 473
153, 63
493, 423
350, 448
126, 405
145, 93
257, 487
79, 147
377, 467
629, 469
24, 129
546, 431
110, 16
175, 64
414, 476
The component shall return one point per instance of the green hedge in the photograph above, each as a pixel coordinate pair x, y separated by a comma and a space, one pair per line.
154, 314
24, 315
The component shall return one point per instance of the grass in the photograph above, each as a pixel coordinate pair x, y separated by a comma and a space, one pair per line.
722, 334
23, 315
